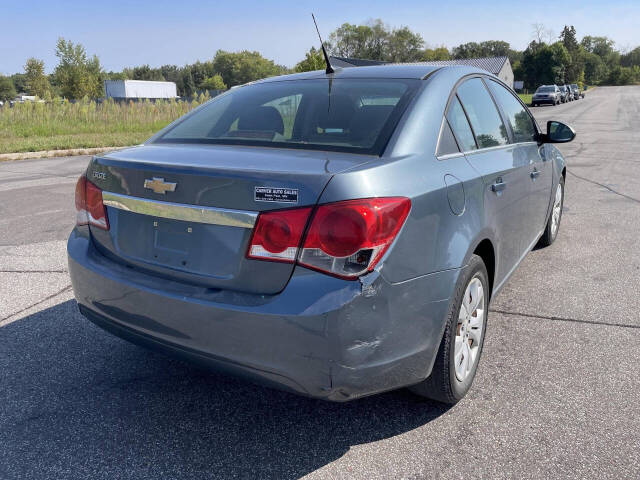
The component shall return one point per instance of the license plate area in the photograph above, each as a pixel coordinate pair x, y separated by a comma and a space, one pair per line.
172, 242
192, 247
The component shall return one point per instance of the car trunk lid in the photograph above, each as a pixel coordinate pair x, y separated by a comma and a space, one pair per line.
186, 212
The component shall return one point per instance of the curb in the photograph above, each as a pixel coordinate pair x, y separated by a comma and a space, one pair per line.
57, 153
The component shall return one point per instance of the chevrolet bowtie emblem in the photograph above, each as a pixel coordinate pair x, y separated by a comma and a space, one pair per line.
158, 185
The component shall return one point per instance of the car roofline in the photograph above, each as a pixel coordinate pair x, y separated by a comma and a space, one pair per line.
417, 71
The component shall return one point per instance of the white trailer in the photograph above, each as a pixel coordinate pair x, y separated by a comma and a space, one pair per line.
132, 89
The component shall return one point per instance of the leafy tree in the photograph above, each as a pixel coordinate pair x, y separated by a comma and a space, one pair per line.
237, 68
200, 71
359, 41
489, 48
375, 41
213, 83
313, 60
115, 76
171, 73
575, 66
544, 64
145, 72
601, 46
434, 54
7, 90
561, 63
19, 82
623, 75
76, 75
37, 82
595, 70
403, 45
189, 88
568, 38
631, 58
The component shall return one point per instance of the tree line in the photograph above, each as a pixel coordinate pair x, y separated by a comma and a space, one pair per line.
546, 60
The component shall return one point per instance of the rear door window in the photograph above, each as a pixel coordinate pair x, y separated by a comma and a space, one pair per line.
460, 126
521, 122
447, 142
483, 114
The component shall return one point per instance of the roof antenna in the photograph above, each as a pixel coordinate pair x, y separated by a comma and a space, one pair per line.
324, 51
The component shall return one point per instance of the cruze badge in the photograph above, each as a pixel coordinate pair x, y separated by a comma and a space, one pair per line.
158, 185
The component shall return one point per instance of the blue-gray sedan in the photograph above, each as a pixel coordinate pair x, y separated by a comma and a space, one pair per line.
335, 235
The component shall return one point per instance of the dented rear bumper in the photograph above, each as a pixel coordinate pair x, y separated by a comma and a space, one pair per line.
321, 336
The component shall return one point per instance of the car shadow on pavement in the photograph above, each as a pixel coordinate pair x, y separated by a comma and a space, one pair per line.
76, 402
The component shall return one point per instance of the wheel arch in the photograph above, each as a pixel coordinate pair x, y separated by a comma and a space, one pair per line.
485, 248
486, 251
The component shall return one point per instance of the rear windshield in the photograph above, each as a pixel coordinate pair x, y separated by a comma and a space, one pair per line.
546, 89
352, 115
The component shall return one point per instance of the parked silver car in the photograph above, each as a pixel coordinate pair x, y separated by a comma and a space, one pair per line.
335, 235
546, 94
576, 91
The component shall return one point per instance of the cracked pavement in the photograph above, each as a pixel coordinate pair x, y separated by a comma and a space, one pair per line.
557, 393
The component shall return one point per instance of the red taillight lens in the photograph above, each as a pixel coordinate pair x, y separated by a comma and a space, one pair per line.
349, 238
346, 239
89, 206
277, 235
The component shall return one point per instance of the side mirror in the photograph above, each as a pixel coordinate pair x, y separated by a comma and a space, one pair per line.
557, 132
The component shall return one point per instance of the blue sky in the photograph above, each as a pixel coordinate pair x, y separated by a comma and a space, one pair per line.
129, 33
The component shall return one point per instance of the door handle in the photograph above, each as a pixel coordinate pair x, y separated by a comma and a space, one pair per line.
535, 174
498, 186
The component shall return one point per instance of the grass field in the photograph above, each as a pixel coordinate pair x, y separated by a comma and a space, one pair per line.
526, 97
30, 127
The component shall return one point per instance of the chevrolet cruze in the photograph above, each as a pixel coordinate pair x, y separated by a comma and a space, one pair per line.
336, 235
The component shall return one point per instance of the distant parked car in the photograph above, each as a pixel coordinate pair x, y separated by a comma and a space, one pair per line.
546, 94
576, 91
565, 94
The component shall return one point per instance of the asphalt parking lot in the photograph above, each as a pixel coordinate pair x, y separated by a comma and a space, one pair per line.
557, 393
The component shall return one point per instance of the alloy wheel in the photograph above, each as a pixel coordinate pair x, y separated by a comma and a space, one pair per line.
470, 329
557, 210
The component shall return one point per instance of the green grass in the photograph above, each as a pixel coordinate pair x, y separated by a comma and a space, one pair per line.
526, 97
30, 127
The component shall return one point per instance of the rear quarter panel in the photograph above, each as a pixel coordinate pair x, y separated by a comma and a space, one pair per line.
434, 238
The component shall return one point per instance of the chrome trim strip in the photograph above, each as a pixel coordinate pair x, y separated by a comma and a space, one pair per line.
450, 155
489, 149
181, 211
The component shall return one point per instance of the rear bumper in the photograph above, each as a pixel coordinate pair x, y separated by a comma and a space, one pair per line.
321, 336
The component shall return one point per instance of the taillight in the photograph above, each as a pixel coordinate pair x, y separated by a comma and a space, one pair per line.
89, 206
277, 235
346, 239
349, 238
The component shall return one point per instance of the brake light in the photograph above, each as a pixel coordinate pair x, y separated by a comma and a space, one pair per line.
277, 235
348, 239
345, 239
89, 206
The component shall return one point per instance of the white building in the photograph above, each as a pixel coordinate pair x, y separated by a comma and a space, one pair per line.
138, 89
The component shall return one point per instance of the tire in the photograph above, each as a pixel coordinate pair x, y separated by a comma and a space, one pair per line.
445, 384
551, 232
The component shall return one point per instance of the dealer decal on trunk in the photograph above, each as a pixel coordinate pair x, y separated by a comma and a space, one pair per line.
270, 194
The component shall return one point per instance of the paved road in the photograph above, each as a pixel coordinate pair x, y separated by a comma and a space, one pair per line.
557, 393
